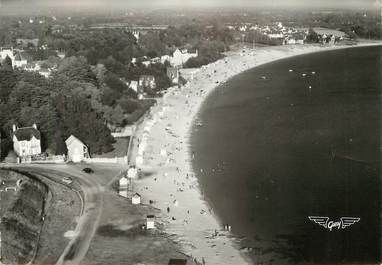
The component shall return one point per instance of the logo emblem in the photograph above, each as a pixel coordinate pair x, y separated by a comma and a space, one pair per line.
341, 224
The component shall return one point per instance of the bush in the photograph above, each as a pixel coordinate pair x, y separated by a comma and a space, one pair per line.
129, 105
136, 115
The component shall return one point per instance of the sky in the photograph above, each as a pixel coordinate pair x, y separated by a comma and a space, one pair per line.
195, 3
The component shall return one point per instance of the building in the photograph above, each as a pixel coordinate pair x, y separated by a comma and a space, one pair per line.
136, 199
77, 150
123, 187
146, 63
123, 183
173, 74
136, 34
180, 57
61, 54
177, 262
150, 222
7, 52
26, 141
165, 58
146, 82
45, 72
290, 41
134, 85
19, 61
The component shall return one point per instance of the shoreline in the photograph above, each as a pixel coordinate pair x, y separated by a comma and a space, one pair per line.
165, 159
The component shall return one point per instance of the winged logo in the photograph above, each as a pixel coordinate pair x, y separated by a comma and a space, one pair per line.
321, 220
341, 224
348, 221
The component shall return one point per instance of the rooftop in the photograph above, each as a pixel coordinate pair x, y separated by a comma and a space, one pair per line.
26, 134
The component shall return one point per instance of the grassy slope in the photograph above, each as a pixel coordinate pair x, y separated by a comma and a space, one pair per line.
21, 223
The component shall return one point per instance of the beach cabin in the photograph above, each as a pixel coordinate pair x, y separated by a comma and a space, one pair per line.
77, 150
123, 187
150, 222
177, 262
123, 183
132, 173
136, 199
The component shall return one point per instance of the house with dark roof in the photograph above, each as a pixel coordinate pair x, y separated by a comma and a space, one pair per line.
26, 141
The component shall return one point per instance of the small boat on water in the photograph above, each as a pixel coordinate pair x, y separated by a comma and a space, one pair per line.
313, 73
290, 70
303, 75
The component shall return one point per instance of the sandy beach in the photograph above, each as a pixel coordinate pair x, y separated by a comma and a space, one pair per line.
161, 150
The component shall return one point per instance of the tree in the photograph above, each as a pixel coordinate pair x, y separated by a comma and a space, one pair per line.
77, 117
77, 68
312, 36
8, 80
7, 63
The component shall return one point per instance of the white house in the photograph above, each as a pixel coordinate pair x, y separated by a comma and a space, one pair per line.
136, 34
26, 141
6, 51
134, 85
16, 58
180, 57
77, 150
165, 58
146, 63
19, 61
150, 222
290, 41
136, 199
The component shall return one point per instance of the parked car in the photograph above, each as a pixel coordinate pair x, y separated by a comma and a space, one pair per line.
67, 180
88, 170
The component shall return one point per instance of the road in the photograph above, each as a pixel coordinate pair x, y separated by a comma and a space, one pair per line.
92, 197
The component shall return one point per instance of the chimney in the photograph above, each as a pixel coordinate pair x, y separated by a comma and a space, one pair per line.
34, 126
14, 128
